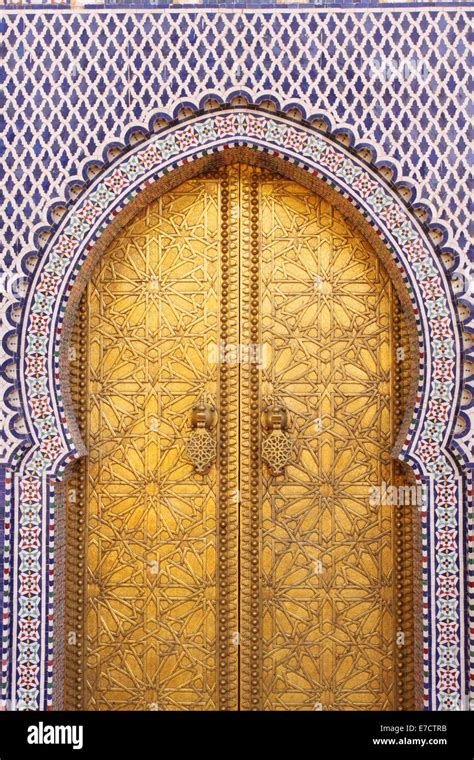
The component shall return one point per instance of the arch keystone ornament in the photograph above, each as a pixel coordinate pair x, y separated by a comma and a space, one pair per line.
32, 645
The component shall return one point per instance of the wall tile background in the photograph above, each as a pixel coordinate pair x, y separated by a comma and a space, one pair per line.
76, 81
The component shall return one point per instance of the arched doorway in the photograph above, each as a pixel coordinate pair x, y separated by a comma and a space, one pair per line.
262, 559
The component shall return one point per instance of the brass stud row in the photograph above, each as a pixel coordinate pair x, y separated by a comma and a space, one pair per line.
398, 519
223, 455
403, 529
81, 500
76, 525
254, 334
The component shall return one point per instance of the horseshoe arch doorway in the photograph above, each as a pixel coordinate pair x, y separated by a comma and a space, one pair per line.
234, 541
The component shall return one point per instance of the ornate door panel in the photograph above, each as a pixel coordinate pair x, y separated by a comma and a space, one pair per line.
325, 578
264, 580
152, 598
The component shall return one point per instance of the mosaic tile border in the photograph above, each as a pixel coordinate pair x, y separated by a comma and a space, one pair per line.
425, 444
348, 5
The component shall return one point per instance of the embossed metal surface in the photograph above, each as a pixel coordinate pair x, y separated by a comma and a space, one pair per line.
304, 616
151, 621
327, 556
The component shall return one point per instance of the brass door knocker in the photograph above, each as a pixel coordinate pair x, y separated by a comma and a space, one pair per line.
201, 447
277, 447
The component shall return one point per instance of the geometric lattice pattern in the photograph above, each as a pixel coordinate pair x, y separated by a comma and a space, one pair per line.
276, 451
150, 62
201, 449
415, 259
76, 83
81, 80
394, 78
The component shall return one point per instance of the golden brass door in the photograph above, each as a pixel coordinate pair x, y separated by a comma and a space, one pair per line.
240, 399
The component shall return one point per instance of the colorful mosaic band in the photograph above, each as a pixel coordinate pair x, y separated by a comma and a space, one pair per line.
28, 656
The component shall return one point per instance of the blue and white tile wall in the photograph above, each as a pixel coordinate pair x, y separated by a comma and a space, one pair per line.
78, 76
75, 81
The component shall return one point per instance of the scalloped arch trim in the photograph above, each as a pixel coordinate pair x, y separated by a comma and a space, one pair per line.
341, 137
316, 152
374, 192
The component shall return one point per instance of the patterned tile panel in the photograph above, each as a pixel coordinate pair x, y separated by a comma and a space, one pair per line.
438, 349
77, 81
396, 78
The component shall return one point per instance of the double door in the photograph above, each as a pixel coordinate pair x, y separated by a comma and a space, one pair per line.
239, 407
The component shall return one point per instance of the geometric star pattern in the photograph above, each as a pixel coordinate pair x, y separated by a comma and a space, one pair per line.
151, 525
327, 558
